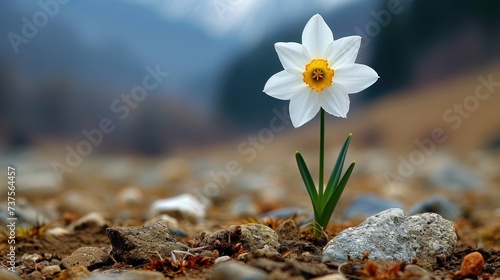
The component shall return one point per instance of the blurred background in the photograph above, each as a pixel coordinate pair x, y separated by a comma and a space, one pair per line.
65, 66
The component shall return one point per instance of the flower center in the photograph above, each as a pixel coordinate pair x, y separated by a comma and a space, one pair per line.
318, 75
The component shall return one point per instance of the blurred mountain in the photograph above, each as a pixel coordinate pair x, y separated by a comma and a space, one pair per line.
107, 43
70, 71
425, 42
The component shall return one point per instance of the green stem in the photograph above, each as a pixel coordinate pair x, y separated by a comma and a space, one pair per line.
321, 153
317, 227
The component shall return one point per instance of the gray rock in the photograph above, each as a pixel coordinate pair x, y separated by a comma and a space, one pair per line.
367, 205
38, 183
89, 257
251, 236
136, 245
439, 205
237, 271
284, 213
243, 206
390, 235
28, 215
454, 176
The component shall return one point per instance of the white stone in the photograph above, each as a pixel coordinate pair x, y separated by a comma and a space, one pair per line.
93, 219
222, 259
130, 196
57, 231
182, 206
172, 222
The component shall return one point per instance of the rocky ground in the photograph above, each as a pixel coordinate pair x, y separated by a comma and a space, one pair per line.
149, 218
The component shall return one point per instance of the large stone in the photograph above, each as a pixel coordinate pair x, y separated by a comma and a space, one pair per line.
137, 245
390, 235
89, 257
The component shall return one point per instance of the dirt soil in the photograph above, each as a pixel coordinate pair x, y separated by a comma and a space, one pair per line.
297, 259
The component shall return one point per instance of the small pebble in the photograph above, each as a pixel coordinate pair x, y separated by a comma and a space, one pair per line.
439, 205
76, 272
237, 271
89, 257
472, 265
91, 220
172, 222
222, 259
130, 196
31, 257
243, 206
335, 276
51, 270
185, 206
288, 230
137, 245
80, 203
367, 205
57, 231
143, 275
39, 183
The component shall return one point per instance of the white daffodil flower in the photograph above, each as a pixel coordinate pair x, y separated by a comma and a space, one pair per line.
319, 73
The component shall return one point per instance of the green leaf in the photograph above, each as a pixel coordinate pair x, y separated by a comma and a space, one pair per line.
308, 181
334, 198
337, 170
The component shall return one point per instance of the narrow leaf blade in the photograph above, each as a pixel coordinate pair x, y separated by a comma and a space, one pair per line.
335, 197
337, 170
308, 181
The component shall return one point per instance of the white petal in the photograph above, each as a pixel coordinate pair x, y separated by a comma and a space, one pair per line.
355, 77
343, 51
293, 56
284, 85
316, 36
335, 100
303, 107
